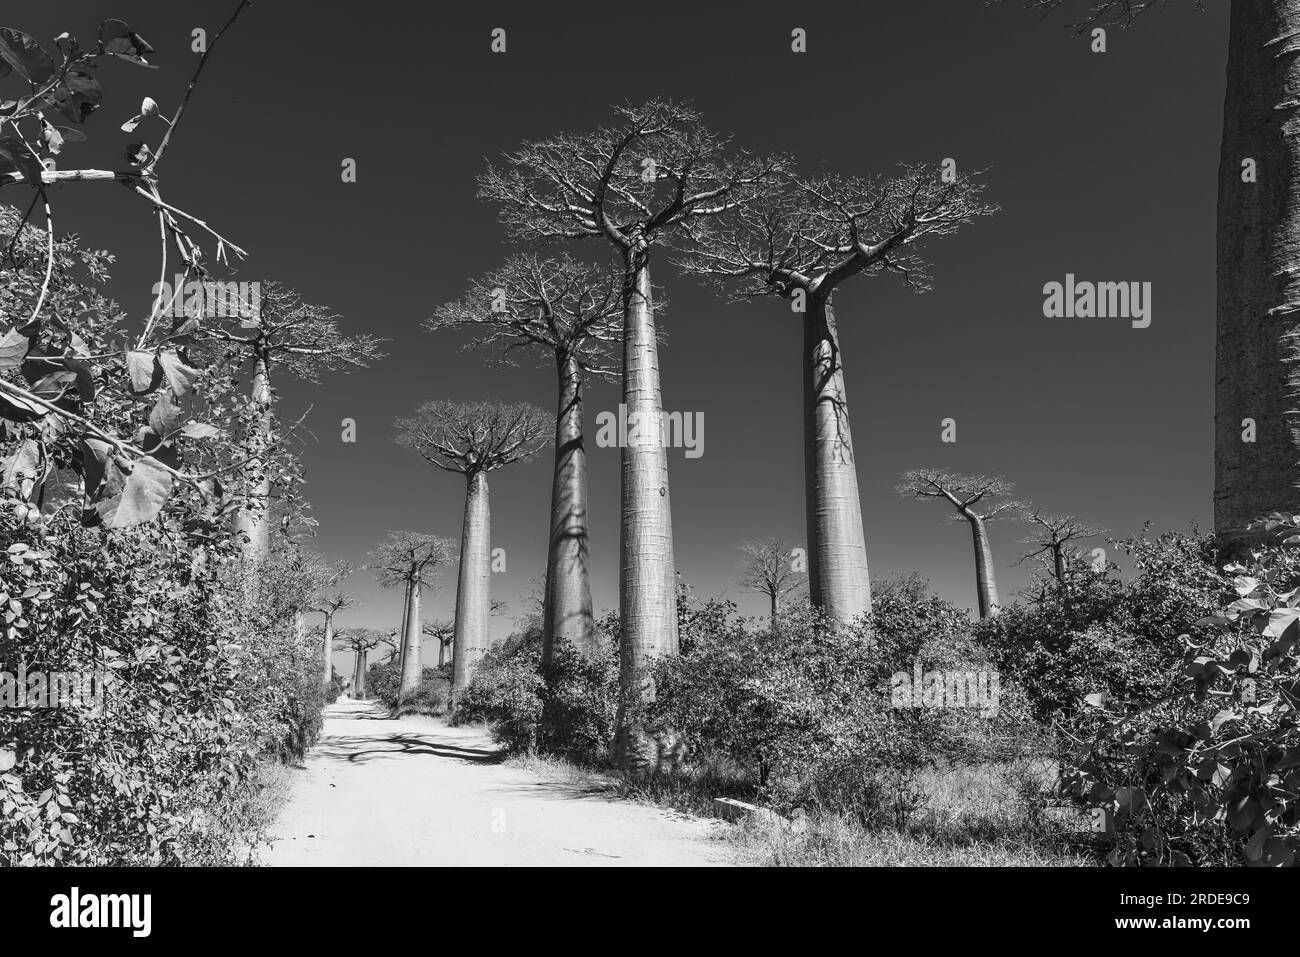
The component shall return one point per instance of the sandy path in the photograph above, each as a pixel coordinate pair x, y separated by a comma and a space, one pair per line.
381, 792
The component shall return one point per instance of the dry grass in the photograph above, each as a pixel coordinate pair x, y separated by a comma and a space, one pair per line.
973, 816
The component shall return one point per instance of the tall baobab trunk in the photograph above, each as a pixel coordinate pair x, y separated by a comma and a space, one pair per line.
837, 549
359, 675
329, 648
1257, 372
401, 639
985, 583
411, 663
776, 604
256, 523
442, 653
647, 579
567, 615
473, 587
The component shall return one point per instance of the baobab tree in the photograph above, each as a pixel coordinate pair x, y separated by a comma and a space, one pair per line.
474, 438
444, 632
571, 313
361, 641
965, 493
1257, 355
768, 567
410, 561
278, 331
1052, 535
655, 172
329, 604
807, 236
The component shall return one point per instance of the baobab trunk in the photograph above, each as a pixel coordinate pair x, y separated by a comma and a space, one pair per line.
647, 578
255, 522
329, 649
359, 685
401, 638
567, 615
411, 663
775, 605
1058, 562
473, 599
1258, 324
442, 653
837, 549
985, 583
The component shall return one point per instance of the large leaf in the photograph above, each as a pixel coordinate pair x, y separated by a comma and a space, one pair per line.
26, 56
62, 489
1279, 620
96, 457
180, 377
144, 371
26, 469
13, 349
146, 492
76, 97
117, 38
17, 409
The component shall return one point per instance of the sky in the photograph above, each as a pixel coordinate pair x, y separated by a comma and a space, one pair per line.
1103, 164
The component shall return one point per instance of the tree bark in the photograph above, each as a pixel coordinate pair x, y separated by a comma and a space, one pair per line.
1058, 561
329, 648
359, 686
1257, 371
411, 658
442, 653
473, 591
838, 581
567, 613
647, 578
986, 584
255, 522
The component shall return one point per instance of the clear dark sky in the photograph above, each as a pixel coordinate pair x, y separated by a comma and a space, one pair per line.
1104, 166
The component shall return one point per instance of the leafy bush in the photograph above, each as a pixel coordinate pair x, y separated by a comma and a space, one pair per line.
1207, 771
1096, 634
806, 706
568, 709
384, 678
506, 692
193, 700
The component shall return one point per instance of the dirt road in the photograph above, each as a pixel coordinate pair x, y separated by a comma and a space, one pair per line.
380, 792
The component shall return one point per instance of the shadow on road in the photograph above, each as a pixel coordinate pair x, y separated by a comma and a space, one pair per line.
359, 748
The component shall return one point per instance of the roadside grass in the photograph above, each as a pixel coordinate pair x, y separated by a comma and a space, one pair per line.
232, 832
982, 815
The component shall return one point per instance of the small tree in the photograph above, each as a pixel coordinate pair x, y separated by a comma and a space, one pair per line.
571, 313
1053, 534
444, 632
768, 568
329, 606
361, 641
965, 493
473, 439
410, 561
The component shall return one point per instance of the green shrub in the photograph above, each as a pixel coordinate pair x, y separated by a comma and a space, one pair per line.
430, 697
1094, 633
806, 706
1206, 770
567, 710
